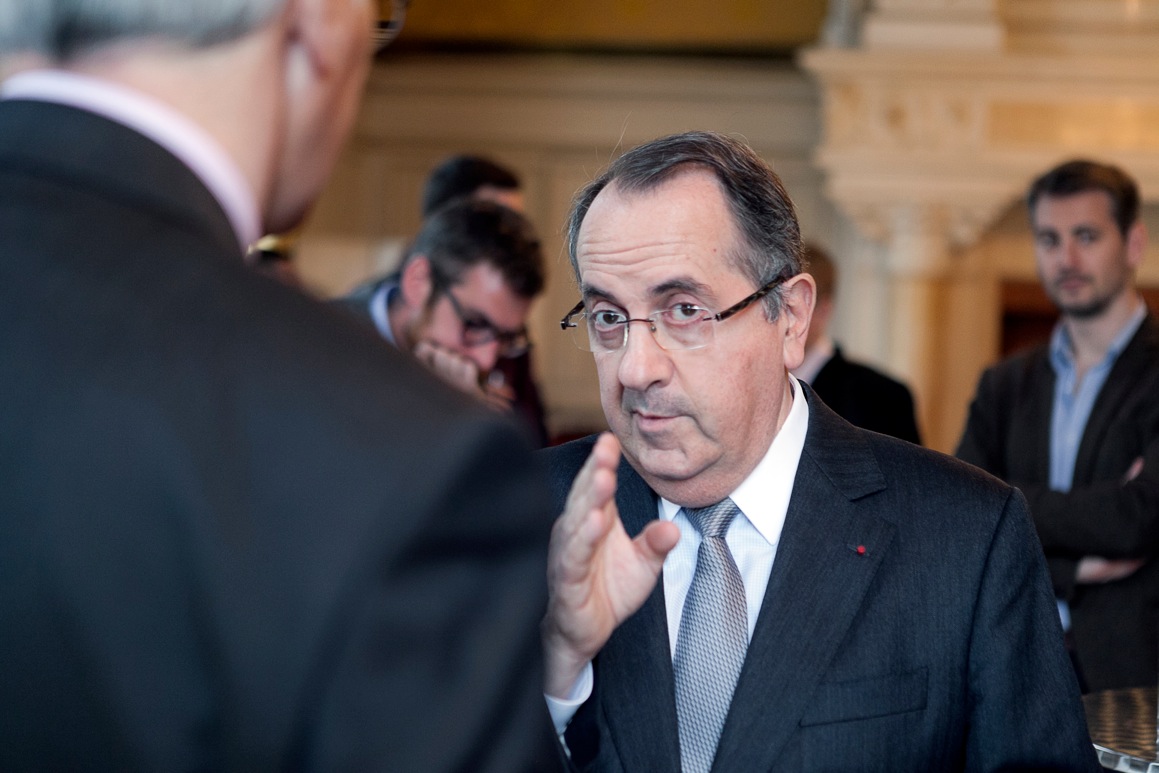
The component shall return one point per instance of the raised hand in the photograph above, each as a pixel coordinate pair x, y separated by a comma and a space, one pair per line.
597, 576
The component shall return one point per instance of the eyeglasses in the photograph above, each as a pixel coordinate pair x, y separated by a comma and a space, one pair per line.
391, 15
679, 327
479, 331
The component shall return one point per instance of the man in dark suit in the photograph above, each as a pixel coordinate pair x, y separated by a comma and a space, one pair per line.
1075, 423
758, 585
237, 532
861, 395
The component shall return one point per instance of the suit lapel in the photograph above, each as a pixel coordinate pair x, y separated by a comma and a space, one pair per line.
1121, 388
817, 585
635, 667
1032, 418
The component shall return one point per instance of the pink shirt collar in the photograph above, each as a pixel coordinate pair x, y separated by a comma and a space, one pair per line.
191, 144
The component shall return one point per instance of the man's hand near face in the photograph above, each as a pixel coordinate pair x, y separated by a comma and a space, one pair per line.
597, 576
460, 372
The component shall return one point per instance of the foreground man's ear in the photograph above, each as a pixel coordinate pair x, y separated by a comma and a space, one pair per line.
798, 296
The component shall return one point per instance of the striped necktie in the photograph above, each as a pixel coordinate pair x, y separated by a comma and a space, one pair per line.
713, 639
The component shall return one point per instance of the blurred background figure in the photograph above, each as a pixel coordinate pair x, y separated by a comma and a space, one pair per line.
482, 178
459, 302
475, 176
508, 380
861, 395
1074, 422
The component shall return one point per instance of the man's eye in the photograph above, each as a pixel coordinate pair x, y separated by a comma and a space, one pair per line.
683, 312
476, 324
606, 319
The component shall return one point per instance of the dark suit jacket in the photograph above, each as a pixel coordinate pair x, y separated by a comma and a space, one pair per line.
867, 398
1115, 625
937, 649
517, 371
237, 532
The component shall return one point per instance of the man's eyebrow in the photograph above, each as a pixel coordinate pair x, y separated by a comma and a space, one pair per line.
590, 293
679, 284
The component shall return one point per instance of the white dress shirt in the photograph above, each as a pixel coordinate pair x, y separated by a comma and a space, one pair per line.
179, 135
763, 500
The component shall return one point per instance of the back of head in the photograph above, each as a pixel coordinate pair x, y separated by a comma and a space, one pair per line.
461, 176
769, 235
61, 29
820, 266
1080, 176
468, 232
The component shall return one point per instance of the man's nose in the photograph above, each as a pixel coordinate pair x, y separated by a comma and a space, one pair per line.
485, 355
643, 362
1071, 253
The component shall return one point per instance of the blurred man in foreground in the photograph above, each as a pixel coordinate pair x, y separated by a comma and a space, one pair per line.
238, 533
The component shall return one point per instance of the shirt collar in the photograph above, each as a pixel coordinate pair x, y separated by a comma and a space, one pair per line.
764, 495
380, 310
179, 135
1062, 349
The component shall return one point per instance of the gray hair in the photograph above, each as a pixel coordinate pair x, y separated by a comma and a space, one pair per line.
770, 237
60, 29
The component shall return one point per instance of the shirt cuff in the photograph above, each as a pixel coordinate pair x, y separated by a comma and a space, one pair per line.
563, 709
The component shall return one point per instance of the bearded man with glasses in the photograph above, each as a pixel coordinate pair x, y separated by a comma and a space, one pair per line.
757, 584
459, 302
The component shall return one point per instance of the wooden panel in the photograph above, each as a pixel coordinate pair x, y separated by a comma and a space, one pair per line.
755, 25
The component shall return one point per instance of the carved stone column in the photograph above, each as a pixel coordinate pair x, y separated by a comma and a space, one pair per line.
961, 24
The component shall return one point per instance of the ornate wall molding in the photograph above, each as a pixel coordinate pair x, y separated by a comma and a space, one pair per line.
933, 124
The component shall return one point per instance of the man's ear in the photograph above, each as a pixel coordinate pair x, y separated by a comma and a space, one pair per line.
798, 296
1136, 244
416, 283
313, 37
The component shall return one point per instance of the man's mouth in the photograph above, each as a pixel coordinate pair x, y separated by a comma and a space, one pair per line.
1073, 282
652, 421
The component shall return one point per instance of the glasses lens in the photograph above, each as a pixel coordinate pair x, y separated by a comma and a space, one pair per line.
676, 329
577, 333
476, 333
683, 327
514, 347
